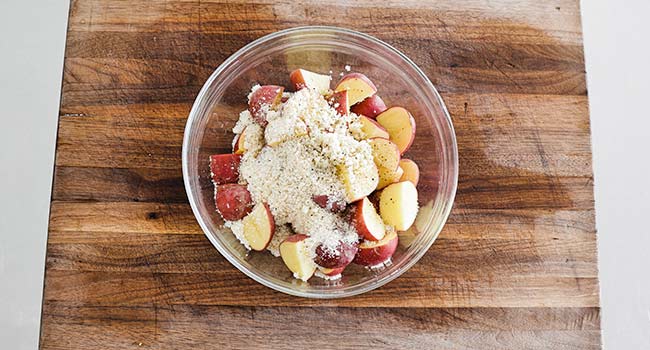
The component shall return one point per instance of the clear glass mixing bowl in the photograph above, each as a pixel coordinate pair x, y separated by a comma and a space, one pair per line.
269, 60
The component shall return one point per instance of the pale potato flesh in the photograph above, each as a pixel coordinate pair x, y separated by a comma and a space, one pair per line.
258, 227
358, 89
411, 171
400, 126
358, 183
387, 176
297, 259
372, 129
398, 205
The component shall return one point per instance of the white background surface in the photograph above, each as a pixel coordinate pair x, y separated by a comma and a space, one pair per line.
32, 40
617, 48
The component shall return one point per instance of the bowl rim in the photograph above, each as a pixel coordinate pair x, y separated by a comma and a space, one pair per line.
193, 202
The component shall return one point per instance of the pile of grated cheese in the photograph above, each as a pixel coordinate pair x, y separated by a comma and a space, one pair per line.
301, 153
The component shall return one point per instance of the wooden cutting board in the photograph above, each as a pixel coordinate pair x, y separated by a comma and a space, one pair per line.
514, 268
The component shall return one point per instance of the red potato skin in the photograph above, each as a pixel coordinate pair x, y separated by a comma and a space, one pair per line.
377, 255
360, 76
371, 107
225, 168
346, 254
233, 201
271, 224
235, 147
295, 238
335, 272
414, 126
324, 202
359, 222
266, 95
297, 80
339, 101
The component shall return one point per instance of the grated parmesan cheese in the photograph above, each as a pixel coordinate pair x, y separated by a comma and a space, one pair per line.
237, 228
245, 119
306, 149
254, 140
281, 233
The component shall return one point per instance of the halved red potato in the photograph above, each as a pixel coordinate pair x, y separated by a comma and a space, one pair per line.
372, 253
259, 227
386, 156
325, 202
358, 181
302, 78
411, 171
372, 129
340, 102
331, 272
370, 107
335, 257
400, 126
233, 201
398, 205
296, 256
359, 87
385, 153
266, 96
367, 222
224, 168
238, 147
388, 176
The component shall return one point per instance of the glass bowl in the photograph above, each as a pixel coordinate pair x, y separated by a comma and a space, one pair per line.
269, 60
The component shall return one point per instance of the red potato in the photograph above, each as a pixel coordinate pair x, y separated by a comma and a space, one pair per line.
358, 181
398, 205
385, 153
259, 227
224, 168
331, 272
367, 222
302, 78
386, 156
266, 96
324, 202
372, 129
340, 256
358, 86
400, 126
296, 256
239, 147
370, 107
340, 102
233, 201
235, 144
411, 171
389, 176
372, 253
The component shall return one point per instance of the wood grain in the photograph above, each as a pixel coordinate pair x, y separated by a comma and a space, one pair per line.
514, 268
471, 257
159, 326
